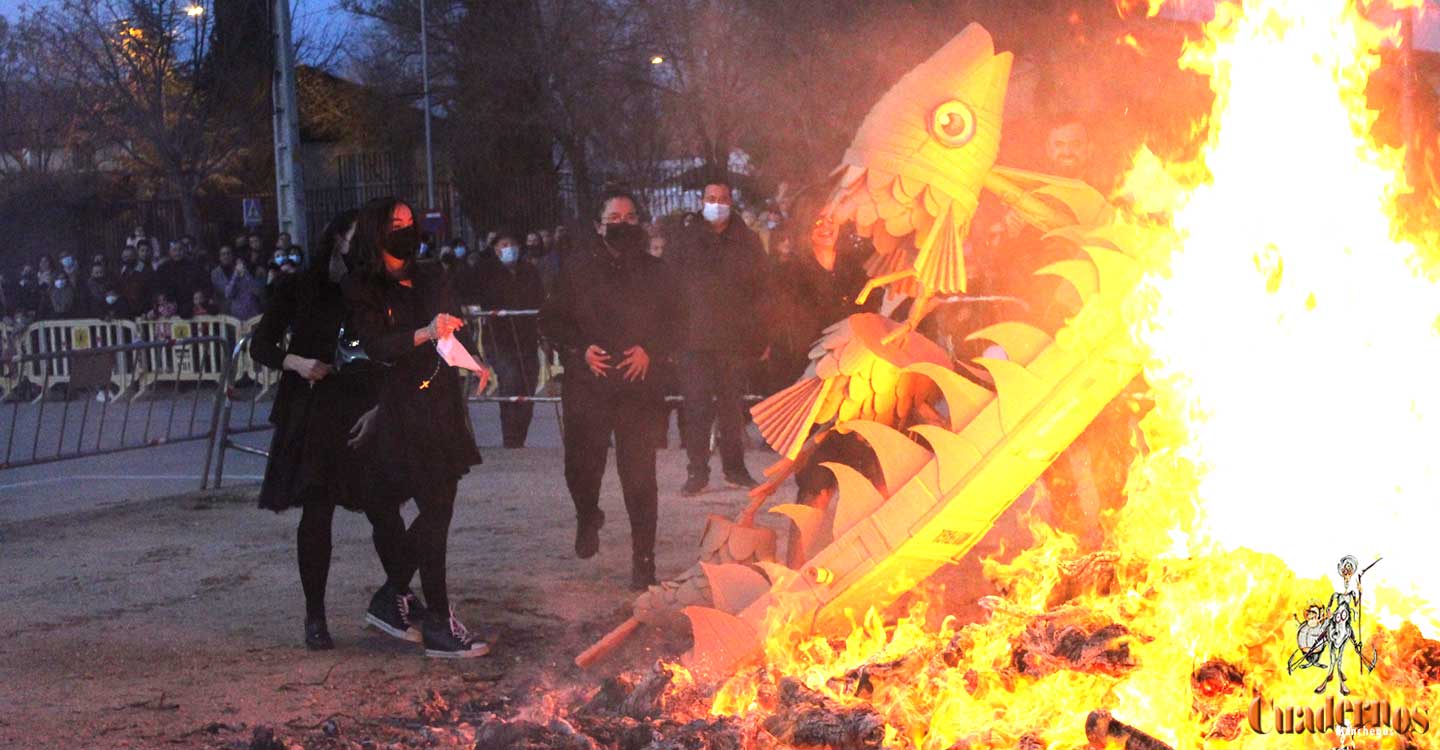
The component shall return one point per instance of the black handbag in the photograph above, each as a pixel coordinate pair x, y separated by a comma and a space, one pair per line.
348, 351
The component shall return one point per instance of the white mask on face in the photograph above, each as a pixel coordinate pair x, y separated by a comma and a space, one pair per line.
509, 254
715, 212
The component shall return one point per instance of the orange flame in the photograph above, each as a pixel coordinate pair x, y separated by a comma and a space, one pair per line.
1290, 327
1130, 41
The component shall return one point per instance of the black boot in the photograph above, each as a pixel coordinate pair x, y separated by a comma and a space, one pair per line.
740, 478
695, 484
587, 535
317, 635
642, 572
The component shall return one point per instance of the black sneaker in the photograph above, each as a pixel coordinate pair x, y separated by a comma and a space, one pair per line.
741, 478
642, 573
694, 485
317, 635
587, 535
389, 613
447, 638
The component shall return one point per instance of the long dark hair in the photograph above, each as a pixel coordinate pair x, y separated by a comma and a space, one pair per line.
372, 236
329, 244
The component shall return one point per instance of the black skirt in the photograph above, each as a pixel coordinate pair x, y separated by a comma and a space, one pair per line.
309, 459
424, 441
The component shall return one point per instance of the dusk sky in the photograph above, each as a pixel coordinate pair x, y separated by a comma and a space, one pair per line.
317, 15
310, 15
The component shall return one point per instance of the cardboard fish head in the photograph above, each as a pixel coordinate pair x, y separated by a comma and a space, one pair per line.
914, 172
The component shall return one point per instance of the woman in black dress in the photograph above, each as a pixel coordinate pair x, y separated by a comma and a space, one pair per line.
423, 442
313, 464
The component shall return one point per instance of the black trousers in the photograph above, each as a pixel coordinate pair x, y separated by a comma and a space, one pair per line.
713, 384
517, 373
591, 417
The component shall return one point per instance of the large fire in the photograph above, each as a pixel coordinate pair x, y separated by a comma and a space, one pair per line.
1291, 337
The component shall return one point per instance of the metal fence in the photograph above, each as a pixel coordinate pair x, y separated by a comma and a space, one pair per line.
75, 413
67, 397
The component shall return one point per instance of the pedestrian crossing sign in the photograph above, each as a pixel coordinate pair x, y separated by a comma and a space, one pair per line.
250, 210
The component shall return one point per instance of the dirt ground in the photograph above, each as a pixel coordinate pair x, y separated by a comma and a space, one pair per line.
177, 622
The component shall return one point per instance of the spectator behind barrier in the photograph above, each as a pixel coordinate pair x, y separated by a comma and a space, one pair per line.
200, 304
134, 279
60, 301
242, 292
511, 342
220, 276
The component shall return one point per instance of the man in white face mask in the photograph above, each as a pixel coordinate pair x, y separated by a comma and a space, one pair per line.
722, 268
512, 341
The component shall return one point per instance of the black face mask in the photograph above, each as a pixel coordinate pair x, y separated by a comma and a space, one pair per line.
626, 238
404, 244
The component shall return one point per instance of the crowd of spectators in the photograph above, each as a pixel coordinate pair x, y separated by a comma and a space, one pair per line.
148, 280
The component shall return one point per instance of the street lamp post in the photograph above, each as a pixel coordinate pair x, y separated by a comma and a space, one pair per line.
196, 11
425, 83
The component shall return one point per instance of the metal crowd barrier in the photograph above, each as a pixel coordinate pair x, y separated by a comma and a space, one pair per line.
141, 370
548, 360
89, 372
9, 351
222, 438
49, 336
200, 364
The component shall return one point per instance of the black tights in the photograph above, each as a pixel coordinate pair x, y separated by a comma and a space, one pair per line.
312, 542
425, 543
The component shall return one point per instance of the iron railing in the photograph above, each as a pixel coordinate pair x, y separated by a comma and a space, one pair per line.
35, 434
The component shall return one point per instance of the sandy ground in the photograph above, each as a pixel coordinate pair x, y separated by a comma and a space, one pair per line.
140, 624
177, 621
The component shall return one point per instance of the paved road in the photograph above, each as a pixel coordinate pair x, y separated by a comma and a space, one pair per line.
104, 481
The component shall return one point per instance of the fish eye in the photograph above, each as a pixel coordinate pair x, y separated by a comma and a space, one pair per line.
953, 123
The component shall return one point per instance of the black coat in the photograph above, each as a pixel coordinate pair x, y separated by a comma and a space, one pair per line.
516, 287
722, 280
309, 459
614, 303
423, 436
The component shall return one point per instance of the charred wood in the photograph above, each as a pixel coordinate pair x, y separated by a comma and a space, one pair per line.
1105, 733
811, 721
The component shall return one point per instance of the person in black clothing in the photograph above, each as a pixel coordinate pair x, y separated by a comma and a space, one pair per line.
423, 443
512, 343
721, 267
27, 292
179, 277
135, 279
616, 314
311, 464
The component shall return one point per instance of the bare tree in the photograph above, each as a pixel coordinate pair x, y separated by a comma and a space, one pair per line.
529, 88
136, 68
39, 127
